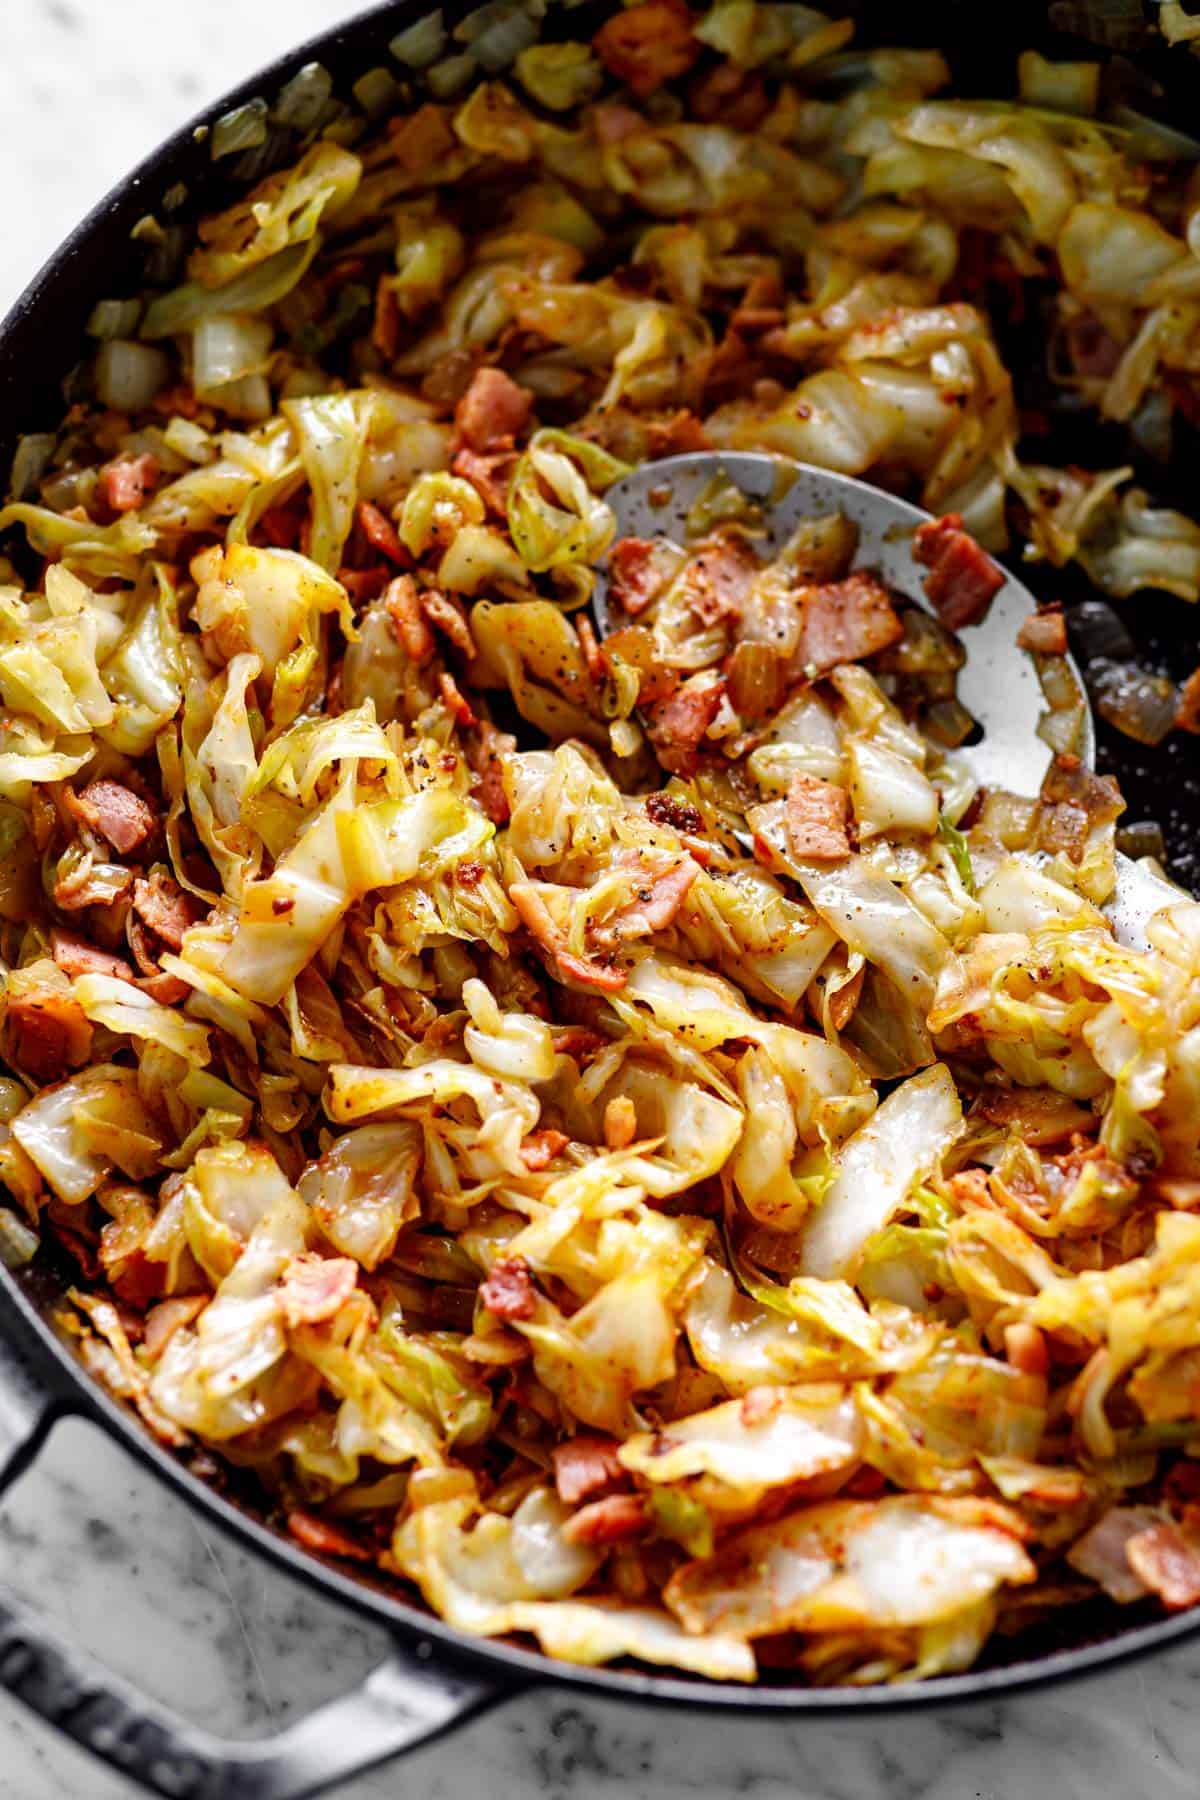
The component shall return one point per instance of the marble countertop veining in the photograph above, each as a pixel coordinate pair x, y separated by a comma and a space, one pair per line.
86, 87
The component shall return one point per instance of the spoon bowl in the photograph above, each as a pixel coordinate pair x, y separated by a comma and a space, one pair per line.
998, 682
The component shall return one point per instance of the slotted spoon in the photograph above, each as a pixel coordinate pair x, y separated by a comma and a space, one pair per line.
998, 682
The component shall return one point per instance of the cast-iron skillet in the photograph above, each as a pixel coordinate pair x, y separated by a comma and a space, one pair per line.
435, 1677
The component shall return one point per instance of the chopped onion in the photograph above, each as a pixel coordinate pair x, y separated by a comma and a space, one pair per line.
1097, 629
128, 375
226, 346
1141, 705
29, 462
451, 75
189, 440
500, 45
422, 43
114, 318
377, 92
304, 98
1143, 838
18, 1242
1062, 86
242, 129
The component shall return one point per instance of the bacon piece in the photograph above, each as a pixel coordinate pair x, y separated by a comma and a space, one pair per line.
381, 534
364, 585
448, 618
587, 1466
325, 1539
538, 921
169, 1317
492, 410
593, 656
612, 1521
484, 755
314, 1288
1168, 1562
541, 1147
280, 525
815, 820
662, 884
490, 476
408, 621
119, 814
75, 956
508, 1291
1044, 632
168, 990
843, 621
127, 480
638, 571
457, 701
162, 905
676, 434
718, 578
385, 324
1187, 716
47, 1033
729, 95
612, 121
677, 725
962, 578
578, 1041
647, 45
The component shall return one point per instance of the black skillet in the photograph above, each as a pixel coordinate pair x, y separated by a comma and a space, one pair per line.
436, 1677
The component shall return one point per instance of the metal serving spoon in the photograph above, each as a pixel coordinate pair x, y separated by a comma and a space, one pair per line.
998, 682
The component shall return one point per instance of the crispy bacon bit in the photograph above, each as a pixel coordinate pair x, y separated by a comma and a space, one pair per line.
492, 411
1044, 632
815, 820
680, 815
364, 585
484, 755
408, 621
385, 326
163, 907
541, 1147
119, 814
446, 616
47, 1033
1168, 1561
648, 45
676, 435
1025, 1348
661, 885
638, 571
718, 578
509, 1291
612, 1521
314, 1288
326, 1540
843, 621
538, 921
612, 121
677, 725
280, 526
490, 476
168, 1317
620, 1122
585, 1467
579, 1042
456, 700
593, 656
730, 95
127, 480
381, 534
962, 578
75, 956
1187, 716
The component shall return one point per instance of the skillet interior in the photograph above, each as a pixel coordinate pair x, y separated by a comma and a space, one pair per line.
40, 344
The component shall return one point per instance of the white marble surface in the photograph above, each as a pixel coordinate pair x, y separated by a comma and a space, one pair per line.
86, 86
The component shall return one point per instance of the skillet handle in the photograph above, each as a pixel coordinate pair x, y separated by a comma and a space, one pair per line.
405, 1701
